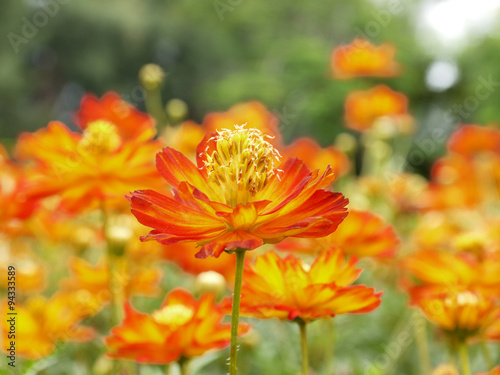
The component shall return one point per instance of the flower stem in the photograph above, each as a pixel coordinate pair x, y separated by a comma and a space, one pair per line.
235, 314
486, 354
303, 343
420, 331
464, 358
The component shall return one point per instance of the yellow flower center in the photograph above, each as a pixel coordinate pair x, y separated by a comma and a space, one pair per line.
100, 137
173, 315
242, 163
462, 299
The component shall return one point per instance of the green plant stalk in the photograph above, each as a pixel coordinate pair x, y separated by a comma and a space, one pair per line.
113, 286
464, 358
420, 331
487, 354
155, 108
303, 344
235, 314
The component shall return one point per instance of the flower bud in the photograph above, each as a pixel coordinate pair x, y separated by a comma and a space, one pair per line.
210, 282
151, 76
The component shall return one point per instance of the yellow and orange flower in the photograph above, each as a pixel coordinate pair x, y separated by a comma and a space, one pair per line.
31, 272
133, 280
363, 108
316, 157
361, 234
186, 137
442, 271
183, 254
237, 196
288, 288
470, 140
462, 314
87, 168
43, 323
181, 328
469, 174
363, 59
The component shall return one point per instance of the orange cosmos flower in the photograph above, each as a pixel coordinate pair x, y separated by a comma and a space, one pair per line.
183, 254
133, 280
470, 140
363, 59
316, 157
182, 327
31, 272
186, 137
16, 205
362, 108
253, 113
441, 271
87, 168
470, 174
461, 314
43, 323
237, 196
132, 124
288, 289
361, 234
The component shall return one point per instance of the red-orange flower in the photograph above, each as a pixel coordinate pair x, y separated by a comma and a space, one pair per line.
132, 124
361, 233
188, 135
86, 168
288, 288
316, 157
363, 59
182, 327
183, 254
470, 174
362, 108
470, 140
16, 205
237, 196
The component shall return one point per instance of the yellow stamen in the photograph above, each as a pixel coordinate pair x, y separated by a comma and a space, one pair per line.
100, 137
173, 315
462, 299
242, 163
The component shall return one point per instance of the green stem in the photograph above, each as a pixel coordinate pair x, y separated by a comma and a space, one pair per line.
420, 331
183, 366
303, 344
235, 314
329, 346
154, 107
113, 285
464, 358
487, 354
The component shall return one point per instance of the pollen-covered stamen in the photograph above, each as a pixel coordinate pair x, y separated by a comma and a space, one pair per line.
100, 137
242, 163
173, 315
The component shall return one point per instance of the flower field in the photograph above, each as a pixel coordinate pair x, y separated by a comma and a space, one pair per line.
136, 241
